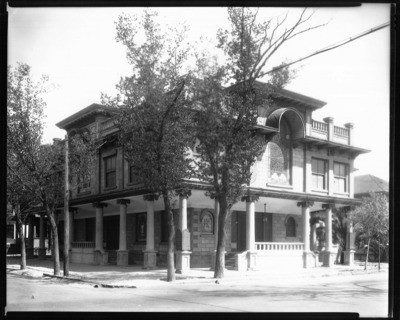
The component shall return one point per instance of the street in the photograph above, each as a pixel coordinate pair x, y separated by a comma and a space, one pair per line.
365, 294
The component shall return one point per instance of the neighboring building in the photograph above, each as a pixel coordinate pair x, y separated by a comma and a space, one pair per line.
306, 166
367, 183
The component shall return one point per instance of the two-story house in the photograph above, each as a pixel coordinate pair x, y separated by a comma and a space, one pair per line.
306, 166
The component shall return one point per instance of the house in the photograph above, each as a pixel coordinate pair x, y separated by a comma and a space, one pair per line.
367, 183
306, 166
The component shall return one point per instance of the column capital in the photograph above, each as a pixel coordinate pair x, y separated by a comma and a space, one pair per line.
184, 192
328, 206
212, 194
73, 209
150, 197
99, 205
123, 201
328, 119
305, 204
250, 198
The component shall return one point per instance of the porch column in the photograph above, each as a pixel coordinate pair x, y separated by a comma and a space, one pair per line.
350, 249
250, 232
29, 248
329, 257
100, 256
183, 243
122, 254
42, 249
308, 257
150, 255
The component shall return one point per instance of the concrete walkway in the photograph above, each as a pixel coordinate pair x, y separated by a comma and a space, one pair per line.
112, 275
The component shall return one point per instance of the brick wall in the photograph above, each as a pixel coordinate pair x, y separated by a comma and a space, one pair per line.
279, 228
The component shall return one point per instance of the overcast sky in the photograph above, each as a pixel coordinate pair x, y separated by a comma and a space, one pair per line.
76, 47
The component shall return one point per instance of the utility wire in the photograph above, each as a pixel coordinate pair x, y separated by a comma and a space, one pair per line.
330, 47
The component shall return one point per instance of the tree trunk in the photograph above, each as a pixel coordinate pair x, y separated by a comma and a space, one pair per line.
20, 227
171, 239
379, 256
56, 253
366, 258
220, 254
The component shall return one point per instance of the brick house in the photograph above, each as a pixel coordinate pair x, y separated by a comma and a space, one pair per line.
306, 166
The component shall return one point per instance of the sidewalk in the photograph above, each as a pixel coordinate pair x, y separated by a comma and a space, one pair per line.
135, 276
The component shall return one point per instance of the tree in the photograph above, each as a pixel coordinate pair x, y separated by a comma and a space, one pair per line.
339, 231
21, 203
371, 221
34, 168
228, 144
154, 126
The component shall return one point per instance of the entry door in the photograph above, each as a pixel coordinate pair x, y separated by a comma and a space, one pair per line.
111, 232
241, 231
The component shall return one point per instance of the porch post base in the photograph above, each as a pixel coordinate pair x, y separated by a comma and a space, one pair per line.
183, 262
29, 253
42, 253
150, 259
309, 259
122, 257
329, 259
349, 257
251, 260
100, 257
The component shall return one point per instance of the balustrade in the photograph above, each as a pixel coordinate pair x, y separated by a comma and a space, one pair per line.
320, 126
340, 131
84, 244
279, 246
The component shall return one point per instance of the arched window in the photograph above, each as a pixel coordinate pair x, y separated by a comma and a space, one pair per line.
290, 227
279, 156
207, 222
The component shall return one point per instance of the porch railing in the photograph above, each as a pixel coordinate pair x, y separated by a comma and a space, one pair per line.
83, 244
279, 246
320, 126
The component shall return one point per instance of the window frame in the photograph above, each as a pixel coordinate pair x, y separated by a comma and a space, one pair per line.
291, 225
318, 174
108, 171
338, 177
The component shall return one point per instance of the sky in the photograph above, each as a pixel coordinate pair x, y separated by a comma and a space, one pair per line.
76, 48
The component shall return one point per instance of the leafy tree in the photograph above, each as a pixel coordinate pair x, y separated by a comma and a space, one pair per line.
33, 167
371, 221
228, 144
339, 231
154, 126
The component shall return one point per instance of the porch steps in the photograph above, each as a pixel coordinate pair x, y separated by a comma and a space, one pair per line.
230, 261
112, 257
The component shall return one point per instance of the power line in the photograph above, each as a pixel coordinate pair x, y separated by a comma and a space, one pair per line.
330, 47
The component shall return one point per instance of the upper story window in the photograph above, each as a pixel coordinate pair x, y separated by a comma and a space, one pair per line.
279, 156
110, 171
319, 169
340, 174
132, 177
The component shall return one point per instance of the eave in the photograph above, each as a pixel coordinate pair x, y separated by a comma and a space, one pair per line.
321, 143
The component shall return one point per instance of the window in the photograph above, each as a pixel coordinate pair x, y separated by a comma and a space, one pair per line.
141, 227
207, 222
319, 170
279, 156
132, 177
110, 171
290, 227
340, 173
